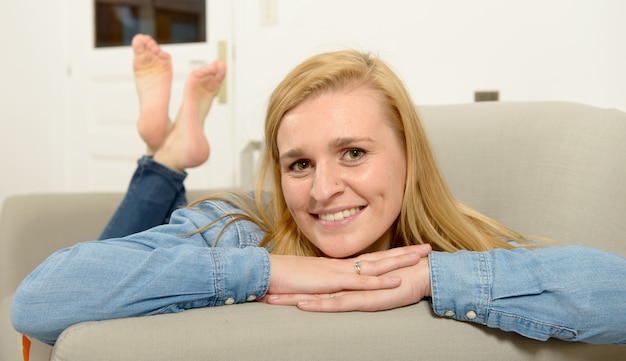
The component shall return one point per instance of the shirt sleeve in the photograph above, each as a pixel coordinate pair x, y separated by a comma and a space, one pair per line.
160, 270
571, 293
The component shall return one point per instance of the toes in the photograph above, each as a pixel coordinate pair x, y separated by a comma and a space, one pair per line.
221, 71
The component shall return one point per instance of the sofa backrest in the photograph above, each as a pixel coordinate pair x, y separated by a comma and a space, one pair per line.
552, 169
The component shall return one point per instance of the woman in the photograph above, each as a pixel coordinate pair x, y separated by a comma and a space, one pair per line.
355, 204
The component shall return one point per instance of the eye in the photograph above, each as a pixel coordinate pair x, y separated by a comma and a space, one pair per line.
300, 165
354, 154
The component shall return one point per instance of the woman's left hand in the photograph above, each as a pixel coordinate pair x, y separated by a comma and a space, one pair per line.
414, 287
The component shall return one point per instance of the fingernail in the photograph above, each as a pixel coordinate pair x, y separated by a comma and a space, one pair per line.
273, 297
303, 303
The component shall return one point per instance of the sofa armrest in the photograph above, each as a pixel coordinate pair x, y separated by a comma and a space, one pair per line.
33, 226
269, 332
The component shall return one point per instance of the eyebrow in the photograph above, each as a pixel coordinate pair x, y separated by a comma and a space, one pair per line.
292, 153
342, 142
338, 143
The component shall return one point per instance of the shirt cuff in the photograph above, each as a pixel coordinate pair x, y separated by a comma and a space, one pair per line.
464, 293
245, 278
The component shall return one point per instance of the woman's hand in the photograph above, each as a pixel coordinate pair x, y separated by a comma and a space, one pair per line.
322, 284
415, 286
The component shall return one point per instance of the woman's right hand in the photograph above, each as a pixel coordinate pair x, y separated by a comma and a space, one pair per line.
315, 275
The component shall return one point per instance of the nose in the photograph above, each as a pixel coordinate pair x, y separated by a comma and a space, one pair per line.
327, 182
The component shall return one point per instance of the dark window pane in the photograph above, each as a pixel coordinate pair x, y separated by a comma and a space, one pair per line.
168, 21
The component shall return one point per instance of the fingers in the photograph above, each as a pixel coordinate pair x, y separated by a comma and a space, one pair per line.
376, 300
422, 249
294, 299
384, 265
370, 300
362, 282
338, 304
378, 263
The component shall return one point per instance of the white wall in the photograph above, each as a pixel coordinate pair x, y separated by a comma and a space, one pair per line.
444, 49
32, 88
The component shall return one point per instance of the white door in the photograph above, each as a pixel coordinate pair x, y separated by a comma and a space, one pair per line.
102, 141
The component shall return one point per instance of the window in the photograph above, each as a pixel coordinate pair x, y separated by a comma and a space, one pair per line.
167, 21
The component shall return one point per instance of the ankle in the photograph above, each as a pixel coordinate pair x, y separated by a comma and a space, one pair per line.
167, 160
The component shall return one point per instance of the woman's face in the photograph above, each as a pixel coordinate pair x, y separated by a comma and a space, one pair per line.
343, 171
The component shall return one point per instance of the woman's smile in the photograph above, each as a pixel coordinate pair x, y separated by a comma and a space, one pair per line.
339, 216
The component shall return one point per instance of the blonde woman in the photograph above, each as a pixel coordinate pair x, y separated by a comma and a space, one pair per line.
350, 213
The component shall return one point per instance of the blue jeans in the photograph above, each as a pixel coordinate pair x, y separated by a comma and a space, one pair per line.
154, 192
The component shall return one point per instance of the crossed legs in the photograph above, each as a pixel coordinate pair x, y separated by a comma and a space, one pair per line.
156, 188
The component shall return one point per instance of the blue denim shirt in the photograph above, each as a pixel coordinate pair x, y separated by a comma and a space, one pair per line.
571, 293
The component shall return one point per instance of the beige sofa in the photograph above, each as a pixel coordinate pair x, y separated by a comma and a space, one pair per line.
550, 168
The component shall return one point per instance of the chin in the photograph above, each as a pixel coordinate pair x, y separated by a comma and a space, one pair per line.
340, 253
345, 249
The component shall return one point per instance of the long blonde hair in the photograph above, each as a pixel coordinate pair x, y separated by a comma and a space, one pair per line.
429, 214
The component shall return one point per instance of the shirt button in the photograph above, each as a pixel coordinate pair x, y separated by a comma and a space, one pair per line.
471, 315
251, 298
449, 313
229, 301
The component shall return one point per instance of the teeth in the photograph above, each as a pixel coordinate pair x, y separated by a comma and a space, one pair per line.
339, 215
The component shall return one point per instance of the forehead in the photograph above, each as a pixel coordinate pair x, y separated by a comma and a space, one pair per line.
334, 114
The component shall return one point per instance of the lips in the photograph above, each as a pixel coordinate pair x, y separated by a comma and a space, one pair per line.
338, 216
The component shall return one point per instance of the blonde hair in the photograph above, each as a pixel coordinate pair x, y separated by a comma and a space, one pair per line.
429, 214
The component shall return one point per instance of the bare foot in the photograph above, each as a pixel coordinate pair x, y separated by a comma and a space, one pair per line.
186, 146
153, 78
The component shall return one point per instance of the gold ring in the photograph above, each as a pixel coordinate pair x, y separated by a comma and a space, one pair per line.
357, 267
